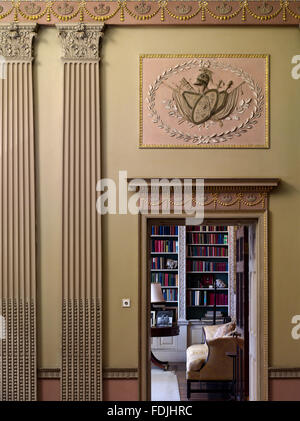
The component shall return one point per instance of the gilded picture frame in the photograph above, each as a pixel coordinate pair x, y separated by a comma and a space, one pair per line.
204, 101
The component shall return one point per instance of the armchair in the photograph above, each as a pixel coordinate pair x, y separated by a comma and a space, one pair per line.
209, 362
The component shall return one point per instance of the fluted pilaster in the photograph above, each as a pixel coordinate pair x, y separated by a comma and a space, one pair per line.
81, 324
17, 216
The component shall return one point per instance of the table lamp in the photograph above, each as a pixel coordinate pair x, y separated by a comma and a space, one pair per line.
156, 294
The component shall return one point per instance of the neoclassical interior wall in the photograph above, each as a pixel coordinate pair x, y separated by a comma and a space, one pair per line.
119, 77
120, 151
119, 116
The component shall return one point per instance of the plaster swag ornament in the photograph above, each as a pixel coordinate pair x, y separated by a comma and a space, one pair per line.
16, 41
80, 41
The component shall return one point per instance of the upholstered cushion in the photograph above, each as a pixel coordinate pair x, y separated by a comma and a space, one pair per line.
210, 331
223, 330
196, 356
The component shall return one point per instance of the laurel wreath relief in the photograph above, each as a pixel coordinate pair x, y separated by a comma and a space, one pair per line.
224, 136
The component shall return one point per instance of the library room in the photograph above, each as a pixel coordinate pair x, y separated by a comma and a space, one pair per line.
202, 281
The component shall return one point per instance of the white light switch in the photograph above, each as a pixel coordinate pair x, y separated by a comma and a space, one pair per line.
126, 302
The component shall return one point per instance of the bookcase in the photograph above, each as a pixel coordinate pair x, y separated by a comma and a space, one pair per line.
207, 271
164, 261
194, 265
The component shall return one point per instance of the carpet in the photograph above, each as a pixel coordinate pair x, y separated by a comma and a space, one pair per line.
164, 385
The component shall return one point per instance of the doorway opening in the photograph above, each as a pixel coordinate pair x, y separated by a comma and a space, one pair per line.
203, 287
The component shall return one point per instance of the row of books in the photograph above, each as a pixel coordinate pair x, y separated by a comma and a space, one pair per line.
200, 266
207, 238
206, 298
164, 263
207, 228
170, 294
207, 251
208, 317
165, 279
164, 246
164, 230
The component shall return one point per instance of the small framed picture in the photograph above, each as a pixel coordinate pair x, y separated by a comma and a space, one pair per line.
153, 319
164, 318
174, 315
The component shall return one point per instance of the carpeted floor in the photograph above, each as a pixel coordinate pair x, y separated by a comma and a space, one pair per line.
164, 385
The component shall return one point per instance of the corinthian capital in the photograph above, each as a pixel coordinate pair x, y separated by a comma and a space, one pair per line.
16, 41
80, 42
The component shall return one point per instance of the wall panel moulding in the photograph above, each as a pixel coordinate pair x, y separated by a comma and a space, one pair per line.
116, 12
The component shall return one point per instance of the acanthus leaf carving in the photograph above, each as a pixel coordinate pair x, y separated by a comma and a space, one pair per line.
16, 41
80, 41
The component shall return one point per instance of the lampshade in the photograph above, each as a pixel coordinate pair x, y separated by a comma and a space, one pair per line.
156, 293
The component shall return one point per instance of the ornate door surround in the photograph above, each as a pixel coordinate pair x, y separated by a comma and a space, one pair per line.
226, 201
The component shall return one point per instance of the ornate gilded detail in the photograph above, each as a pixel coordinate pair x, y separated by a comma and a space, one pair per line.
224, 8
16, 41
143, 11
182, 136
78, 10
65, 9
265, 8
183, 9
80, 42
251, 197
32, 8
142, 8
225, 198
102, 9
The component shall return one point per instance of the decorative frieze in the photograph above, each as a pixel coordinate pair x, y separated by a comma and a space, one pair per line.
233, 195
167, 12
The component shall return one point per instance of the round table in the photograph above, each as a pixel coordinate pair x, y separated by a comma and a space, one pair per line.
159, 332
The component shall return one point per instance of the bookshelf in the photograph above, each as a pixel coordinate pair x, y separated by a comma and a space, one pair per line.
206, 262
198, 261
164, 260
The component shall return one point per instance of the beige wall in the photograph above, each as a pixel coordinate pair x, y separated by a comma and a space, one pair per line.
48, 106
120, 108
